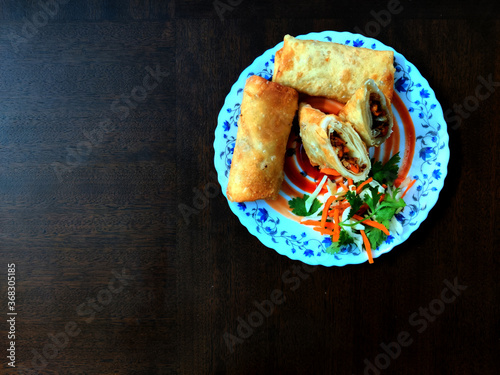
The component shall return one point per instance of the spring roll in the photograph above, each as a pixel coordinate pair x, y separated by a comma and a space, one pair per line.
332, 70
267, 112
370, 114
332, 143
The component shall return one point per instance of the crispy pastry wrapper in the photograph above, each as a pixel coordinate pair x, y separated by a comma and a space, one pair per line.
315, 130
267, 112
330, 69
357, 111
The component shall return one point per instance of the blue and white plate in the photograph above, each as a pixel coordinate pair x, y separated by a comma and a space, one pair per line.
428, 165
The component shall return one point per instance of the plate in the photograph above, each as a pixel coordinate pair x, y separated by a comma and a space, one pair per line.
423, 141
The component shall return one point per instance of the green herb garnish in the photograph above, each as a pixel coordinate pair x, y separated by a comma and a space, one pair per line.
355, 201
375, 236
386, 173
344, 240
298, 206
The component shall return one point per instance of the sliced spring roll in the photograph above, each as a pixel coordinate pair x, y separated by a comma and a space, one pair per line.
267, 112
331, 143
332, 70
370, 114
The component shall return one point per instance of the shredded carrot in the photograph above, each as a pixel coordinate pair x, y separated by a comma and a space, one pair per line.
336, 228
324, 231
360, 187
367, 246
342, 205
336, 217
329, 171
328, 226
372, 223
381, 198
342, 185
341, 211
329, 202
384, 186
345, 202
310, 222
350, 181
408, 188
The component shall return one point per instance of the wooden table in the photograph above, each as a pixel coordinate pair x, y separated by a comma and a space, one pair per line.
107, 119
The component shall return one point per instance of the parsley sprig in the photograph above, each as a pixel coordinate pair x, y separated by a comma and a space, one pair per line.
298, 206
355, 201
345, 239
385, 173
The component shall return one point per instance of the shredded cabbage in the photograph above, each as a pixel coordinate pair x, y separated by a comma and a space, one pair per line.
310, 200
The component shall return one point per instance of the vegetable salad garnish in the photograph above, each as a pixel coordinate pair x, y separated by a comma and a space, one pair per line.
361, 214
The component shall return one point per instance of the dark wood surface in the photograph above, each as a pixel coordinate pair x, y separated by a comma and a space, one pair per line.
110, 279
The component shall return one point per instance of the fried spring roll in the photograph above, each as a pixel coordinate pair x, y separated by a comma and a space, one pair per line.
332, 70
331, 143
370, 114
267, 112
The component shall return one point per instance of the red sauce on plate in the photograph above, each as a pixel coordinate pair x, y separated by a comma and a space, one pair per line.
409, 130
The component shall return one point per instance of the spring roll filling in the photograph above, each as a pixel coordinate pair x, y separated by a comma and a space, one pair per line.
343, 152
380, 121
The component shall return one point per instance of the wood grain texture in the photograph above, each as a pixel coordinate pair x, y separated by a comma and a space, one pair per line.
91, 184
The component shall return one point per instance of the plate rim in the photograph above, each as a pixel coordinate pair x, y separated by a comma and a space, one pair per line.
430, 200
